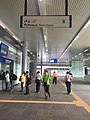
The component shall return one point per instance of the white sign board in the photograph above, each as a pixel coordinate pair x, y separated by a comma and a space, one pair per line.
46, 21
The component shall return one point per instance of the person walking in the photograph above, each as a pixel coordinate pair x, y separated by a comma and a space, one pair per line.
46, 83
38, 81
22, 79
3, 79
27, 83
54, 77
7, 81
11, 80
68, 80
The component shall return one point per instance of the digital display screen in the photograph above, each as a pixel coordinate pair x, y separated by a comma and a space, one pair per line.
53, 60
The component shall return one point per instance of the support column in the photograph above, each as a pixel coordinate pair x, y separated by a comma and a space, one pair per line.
34, 66
41, 62
24, 56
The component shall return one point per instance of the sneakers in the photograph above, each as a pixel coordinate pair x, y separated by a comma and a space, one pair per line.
45, 96
21, 90
49, 94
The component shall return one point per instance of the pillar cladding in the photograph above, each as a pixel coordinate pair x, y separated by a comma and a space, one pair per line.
34, 66
24, 56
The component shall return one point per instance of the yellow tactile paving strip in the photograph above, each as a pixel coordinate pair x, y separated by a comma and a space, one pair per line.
37, 102
78, 102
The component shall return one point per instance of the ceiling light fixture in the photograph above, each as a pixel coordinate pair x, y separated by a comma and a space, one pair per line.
75, 56
65, 50
76, 38
80, 53
8, 30
1, 24
86, 50
46, 50
46, 45
15, 37
45, 37
87, 24
69, 45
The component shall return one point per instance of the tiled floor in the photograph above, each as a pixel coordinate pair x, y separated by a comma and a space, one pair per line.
42, 111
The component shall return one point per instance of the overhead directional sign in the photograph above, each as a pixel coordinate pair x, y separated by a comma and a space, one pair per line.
46, 21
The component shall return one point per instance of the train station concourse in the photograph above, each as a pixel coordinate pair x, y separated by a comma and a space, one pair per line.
45, 59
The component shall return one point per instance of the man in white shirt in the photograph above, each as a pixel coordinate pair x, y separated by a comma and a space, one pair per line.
7, 80
38, 81
68, 80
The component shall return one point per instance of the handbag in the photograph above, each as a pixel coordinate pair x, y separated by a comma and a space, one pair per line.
29, 81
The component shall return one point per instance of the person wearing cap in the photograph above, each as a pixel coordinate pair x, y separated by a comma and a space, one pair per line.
46, 83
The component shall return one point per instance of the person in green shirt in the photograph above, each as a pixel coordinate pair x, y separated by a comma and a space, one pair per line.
46, 83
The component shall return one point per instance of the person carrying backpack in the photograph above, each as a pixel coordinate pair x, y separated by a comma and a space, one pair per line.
68, 80
13, 77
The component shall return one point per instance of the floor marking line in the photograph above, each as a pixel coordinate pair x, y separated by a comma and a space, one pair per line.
79, 102
37, 102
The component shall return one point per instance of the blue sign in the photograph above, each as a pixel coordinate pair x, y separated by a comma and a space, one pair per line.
53, 60
3, 49
4, 60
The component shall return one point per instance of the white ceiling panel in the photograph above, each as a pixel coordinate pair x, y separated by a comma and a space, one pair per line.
57, 38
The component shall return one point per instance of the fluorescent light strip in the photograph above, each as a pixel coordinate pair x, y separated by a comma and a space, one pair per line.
69, 45
1, 24
87, 24
5, 27
46, 50
80, 53
15, 37
86, 50
46, 45
76, 38
28, 50
75, 56
65, 50
45, 37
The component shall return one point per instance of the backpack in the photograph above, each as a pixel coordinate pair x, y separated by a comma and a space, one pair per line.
20, 79
14, 77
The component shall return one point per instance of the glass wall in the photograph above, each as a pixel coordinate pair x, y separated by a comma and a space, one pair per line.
77, 68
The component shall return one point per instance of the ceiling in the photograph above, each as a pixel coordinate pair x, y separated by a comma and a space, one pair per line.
58, 39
